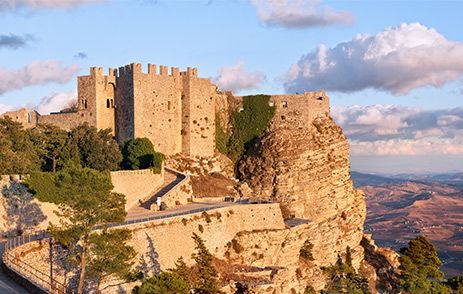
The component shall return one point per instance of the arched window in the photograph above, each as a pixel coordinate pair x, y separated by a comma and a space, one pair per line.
107, 103
85, 104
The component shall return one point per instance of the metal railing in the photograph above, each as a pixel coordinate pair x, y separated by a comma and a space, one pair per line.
38, 278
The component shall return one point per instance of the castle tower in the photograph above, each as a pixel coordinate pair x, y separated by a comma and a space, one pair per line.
198, 117
96, 98
149, 105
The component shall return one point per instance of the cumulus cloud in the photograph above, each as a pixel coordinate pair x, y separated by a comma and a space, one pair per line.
397, 60
35, 73
235, 78
55, 102
399, 130
299, 13
14, 42
40, 4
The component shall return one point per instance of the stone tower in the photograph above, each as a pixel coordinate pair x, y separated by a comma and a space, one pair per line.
96, 98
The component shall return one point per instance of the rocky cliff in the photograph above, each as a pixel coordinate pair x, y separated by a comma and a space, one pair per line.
307, 171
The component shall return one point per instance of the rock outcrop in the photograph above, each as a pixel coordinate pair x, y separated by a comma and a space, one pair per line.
307, 171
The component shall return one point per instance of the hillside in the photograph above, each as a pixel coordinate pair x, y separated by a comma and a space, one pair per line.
399, 209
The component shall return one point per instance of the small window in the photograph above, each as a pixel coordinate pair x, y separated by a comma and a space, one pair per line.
285, 104
112, 103
169, 105
85, 104
320, 98
108, 105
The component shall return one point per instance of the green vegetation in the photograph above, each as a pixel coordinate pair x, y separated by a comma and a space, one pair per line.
97, 149
420, 268
207, 277
86, 203
249, 124
165, 283
49, 149
455, 284
140, 154
221, 136
306, 251
342, 278
17, 153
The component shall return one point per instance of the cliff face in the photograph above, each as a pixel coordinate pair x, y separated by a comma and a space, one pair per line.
307, 171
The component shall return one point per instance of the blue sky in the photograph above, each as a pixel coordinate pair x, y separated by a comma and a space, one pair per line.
260, 41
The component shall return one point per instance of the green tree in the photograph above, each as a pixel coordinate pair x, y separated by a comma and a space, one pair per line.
207, 280
98, 149
87, 204
420, 268
110, 255
182, 270
54, 147
140, 154
456, 284
343, 278
17, 153
164, 283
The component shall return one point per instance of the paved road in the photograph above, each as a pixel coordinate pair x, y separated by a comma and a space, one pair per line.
8, 286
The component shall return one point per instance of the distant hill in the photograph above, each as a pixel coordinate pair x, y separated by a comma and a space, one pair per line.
362, 179
402, 206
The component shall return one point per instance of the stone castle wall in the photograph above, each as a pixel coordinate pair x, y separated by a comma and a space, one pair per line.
23, 116
136, 185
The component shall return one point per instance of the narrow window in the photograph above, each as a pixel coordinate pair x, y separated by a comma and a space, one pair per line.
168, 105
112, 103
29, 117
285, 104
85, 104
107, 103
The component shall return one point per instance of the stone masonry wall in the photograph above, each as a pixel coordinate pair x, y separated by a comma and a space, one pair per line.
158, 108
198, 114
23, 116
136, 184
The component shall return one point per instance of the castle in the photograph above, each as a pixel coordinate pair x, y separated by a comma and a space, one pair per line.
175, 110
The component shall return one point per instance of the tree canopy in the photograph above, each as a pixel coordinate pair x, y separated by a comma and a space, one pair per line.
420, 268
17, 153
97, 149
140, 154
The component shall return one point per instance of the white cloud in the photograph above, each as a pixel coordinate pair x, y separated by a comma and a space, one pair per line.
397, 130
235, 78
4, 108
39, 4
397, 60
36, 73
299, 13
55, 102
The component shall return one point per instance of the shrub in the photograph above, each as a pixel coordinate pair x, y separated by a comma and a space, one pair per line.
166, 283
140, 154
236, 246
306, 251
201, 228
207, 217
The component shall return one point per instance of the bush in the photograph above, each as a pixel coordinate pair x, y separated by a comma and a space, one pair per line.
140, 154
236, 246
207, 217
166, 283
306, 251
249, 124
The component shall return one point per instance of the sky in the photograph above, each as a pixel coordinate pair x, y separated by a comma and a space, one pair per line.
393, 69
